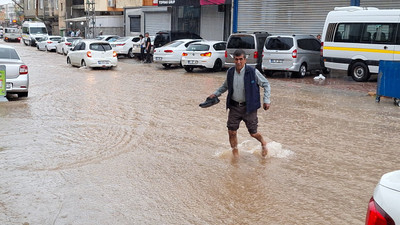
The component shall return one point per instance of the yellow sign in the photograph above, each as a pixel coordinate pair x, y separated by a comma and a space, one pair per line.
2, 82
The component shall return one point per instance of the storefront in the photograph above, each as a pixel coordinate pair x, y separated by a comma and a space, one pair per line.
147, 19
210, 19
292, 17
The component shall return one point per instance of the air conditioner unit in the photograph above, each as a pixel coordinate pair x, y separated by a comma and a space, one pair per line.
111, 3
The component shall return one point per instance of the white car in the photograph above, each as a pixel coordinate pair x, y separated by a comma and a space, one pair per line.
65, 44
17, 80
48, 43
92, 53
171, 53
124, 45
205, 54
384, 206
136, 46
109, 38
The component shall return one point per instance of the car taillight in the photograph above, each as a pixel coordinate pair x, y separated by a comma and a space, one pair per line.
19, 38
168, 51
114, 54
322, 49
226, 54
120, 44
376, 215
255, 54
23, 69
207, 54
89, 54
49, 42
294, 54
67, 43
184, 54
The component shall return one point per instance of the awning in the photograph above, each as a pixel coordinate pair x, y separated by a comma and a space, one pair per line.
192, 2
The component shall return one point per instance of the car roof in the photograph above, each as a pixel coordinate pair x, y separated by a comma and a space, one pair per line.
90, 41
293, 35
51, 36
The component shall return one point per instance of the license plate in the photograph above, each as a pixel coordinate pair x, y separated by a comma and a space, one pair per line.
158, 58
103, 62
276, 60
193, 62
8, 86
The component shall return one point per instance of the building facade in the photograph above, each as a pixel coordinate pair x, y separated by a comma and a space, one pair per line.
44, 10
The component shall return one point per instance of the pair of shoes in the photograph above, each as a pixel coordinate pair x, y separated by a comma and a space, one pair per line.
209, 102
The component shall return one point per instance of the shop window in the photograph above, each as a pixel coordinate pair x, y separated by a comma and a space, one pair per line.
135, 24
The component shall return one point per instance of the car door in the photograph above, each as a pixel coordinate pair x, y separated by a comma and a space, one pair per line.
74, 54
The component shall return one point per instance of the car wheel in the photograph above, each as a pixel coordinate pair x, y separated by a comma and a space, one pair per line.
37, 46
188, 68
23, 95
63, 52
25, 43
359, 72
68, 61
130, 54
303, 70
83, 63
46, 49
166, 65
217, 65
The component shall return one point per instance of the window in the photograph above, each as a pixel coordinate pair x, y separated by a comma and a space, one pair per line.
219, 46
135, 24
309, 44
83, 46
41, 4
174, 44
279, 43
38, 30
348, 33
25, 30
100, 47
8, 53
241, 41
135, 39
378, 33
29, 4
330, 32
198, 47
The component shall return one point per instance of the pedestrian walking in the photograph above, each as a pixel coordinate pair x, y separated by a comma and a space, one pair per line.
142, 45
78, 33
72, 33
243, 85
148, 48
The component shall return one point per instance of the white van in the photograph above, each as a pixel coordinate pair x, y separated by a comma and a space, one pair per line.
32, 32
356, 38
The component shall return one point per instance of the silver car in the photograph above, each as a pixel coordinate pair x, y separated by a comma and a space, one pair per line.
17, 77
294, 53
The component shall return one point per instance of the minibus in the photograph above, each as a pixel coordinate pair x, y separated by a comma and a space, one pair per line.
355, 39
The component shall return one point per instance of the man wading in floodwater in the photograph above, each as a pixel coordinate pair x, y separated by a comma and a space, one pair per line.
242, 83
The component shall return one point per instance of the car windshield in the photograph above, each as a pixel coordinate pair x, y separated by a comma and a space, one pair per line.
279, 43
242, 41
198, 47
8, 53
100, 47
38, 30
55, 38
174, 44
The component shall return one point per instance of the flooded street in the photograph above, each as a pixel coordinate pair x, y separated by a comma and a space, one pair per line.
131, 146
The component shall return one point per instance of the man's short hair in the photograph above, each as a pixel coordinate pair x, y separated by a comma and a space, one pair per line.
239, 52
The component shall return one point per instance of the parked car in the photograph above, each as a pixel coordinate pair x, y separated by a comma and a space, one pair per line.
109, 38
33, 32
12, 34
164, 37
252, 44
92, 53
124, 45
295, 53
205, 54
48, 43
136, 47
171, 53
64, 44
384, 206
17, 80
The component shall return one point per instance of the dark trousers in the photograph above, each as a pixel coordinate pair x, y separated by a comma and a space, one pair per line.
142, 53
148, 55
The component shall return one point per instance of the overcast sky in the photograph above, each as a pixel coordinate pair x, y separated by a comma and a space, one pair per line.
2, 2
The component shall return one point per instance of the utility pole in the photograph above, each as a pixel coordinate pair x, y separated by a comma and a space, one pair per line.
90, 19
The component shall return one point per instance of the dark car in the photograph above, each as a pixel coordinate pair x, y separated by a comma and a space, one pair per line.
164, 37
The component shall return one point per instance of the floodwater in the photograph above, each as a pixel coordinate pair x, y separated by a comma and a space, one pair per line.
131, 146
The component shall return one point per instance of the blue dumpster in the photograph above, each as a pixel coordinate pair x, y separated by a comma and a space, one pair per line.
389, 81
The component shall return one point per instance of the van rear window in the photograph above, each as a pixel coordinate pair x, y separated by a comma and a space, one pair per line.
245, 42
279, 43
